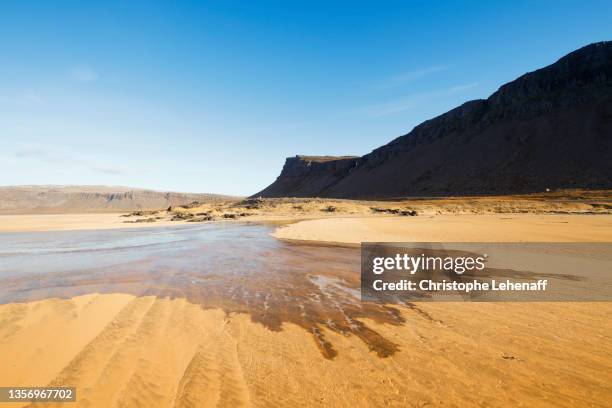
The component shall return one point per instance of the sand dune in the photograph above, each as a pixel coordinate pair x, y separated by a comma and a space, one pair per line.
124, 351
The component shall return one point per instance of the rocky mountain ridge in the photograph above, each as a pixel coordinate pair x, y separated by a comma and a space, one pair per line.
548, 129
83, 199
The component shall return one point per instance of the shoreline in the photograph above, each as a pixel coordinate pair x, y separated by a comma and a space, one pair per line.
351, 230
323, 211
69, 222
103, 221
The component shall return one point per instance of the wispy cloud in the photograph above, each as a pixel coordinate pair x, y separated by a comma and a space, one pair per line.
83, 73
52, 157
33, 97
36, 153
108, 170
389, 108
412, 101
410, 76
460, 88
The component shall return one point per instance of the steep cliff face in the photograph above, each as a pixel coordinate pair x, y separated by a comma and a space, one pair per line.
308, 176
551, 128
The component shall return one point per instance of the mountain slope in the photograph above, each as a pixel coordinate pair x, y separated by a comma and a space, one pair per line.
82, 199
551, 128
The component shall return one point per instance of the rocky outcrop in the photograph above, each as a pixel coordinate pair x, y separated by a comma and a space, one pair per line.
308, 176
551, 128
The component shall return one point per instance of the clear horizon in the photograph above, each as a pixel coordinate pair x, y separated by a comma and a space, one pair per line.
211, 97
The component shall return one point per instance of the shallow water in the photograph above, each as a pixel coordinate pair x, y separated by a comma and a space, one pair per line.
239, 268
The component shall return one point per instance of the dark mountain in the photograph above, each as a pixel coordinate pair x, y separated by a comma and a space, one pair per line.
551, 128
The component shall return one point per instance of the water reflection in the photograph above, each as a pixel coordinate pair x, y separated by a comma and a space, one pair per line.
238, 268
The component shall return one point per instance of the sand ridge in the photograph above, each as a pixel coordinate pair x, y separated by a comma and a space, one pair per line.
121, 350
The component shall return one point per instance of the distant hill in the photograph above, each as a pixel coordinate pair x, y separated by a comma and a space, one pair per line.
82, 199
551, 128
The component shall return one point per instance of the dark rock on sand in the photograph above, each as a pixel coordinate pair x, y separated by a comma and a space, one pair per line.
181, 216
151, 219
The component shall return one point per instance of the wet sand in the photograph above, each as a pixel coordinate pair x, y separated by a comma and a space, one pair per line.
213, 316
237, 268
105, 221
68, 222
121, 350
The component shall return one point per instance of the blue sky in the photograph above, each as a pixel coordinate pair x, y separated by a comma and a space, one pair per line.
212, 96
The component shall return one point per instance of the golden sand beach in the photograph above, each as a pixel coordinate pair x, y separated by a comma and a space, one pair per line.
121, 350
126, 350
454, 228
